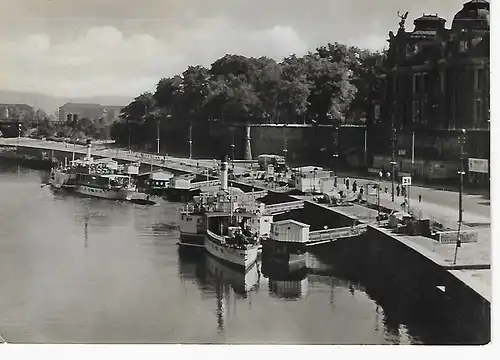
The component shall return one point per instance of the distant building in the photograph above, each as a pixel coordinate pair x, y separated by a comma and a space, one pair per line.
71, 110
436, 83
16, 112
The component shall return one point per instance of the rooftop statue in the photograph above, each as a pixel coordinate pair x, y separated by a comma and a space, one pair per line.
403, 20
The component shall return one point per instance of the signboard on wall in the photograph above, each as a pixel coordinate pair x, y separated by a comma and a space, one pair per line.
406, 180
478, 165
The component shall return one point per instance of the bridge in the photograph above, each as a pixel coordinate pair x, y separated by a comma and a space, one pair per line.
12, 121
5, 120
15, 121
326, 236
203, 184
301, 125
283, 207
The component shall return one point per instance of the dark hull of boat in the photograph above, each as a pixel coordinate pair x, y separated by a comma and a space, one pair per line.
192, 240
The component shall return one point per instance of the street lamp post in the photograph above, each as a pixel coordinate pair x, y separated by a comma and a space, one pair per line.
285, 149
336, 152
19, 134
412, 153
366, 147
128, 131
393, 161
158, 136
461, 140
314, 180
190, 140
378, 204
232, 147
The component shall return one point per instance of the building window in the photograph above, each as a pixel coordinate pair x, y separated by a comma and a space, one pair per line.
423, 117
478, 111
479, 79
442, 81
416, 112
412, 49
418, 83
464, 45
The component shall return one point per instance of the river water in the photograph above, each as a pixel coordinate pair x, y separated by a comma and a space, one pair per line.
81, 270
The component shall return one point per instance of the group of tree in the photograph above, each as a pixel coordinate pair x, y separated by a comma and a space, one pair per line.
330, 85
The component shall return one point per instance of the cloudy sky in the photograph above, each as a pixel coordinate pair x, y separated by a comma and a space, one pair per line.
123, 47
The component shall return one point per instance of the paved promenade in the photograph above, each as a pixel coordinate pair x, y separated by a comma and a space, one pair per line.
476, 207
478, 253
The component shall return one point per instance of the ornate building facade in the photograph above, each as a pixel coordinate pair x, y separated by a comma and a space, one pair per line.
436, 83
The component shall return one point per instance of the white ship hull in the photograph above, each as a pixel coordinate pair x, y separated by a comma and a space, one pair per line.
241, 259
111, 194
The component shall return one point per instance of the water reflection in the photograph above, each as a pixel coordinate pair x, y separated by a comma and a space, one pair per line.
241, 283
128, 282
212, 275
289, 285
86, 231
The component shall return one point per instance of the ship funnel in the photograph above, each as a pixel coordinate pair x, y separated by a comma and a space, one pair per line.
223, 174
89, 149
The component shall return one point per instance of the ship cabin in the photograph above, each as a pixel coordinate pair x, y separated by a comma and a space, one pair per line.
193, 220
311, 179
289, 230
235, 228
160, 180
104, 181
131, 169
288, 236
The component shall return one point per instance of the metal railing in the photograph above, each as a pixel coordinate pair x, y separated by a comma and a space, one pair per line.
339, 233
292, 205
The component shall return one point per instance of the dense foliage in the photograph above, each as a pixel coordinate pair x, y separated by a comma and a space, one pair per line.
331, 85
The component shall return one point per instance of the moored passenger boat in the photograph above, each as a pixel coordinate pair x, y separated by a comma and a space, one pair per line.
101, 178
192, 226
232, 243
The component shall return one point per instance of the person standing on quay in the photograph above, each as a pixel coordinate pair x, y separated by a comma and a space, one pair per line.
347, 181
397, 190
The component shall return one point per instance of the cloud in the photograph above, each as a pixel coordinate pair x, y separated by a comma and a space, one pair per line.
103, 61
118, 47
